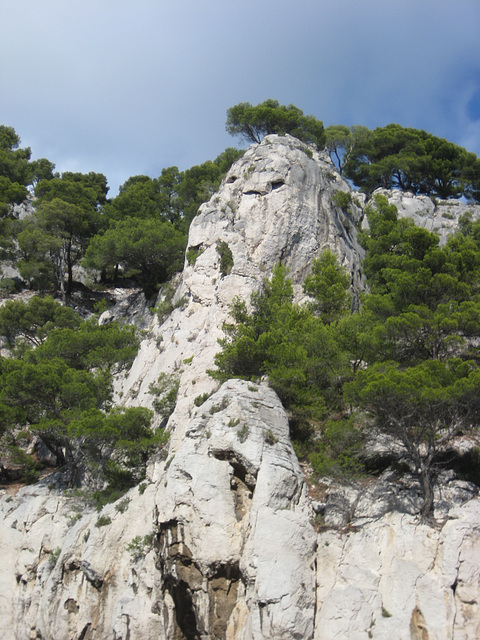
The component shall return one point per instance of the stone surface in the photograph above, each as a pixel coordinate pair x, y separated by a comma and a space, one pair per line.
439, 216
395, 578
224, 546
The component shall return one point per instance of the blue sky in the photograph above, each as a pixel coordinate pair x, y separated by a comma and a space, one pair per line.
127, 88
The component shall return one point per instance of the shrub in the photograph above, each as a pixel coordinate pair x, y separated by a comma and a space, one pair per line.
199, 400
166, 391
122, 506
243, 433
192, 255
335, 452
226, 257
140, 545
103, 521
54, 555
342, 199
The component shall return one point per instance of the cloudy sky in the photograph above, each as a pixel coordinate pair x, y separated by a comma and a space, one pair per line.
128, 87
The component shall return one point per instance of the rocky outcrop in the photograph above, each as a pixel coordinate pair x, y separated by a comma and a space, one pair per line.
396, 578
222, 540
217, 545
274, 205
439, 216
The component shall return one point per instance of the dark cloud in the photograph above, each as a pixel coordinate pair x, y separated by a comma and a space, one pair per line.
127, 88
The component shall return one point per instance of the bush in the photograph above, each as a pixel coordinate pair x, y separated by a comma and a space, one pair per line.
199, 400
342, 199
226, 258
103, 521
335, 452
192, 255
140, 546
166, 391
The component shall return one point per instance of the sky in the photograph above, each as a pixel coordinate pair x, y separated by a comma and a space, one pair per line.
127, 88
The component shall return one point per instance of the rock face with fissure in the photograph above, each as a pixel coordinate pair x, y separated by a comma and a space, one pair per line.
218, 543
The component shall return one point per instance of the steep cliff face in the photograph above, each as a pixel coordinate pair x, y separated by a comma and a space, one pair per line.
275, 204
219, 542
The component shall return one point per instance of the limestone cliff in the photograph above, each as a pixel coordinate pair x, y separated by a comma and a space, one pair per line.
219, 542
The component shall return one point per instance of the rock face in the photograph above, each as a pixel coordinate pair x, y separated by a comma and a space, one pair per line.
222, 540
218, 545
441, 217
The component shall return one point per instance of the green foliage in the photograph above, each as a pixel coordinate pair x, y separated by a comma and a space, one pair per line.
174, 196
254, 122
413, 160
56, 237
192, 255
90, 346
30, 468
422, 406
341, 143
54, 556
140, 546
269, 438
425, 298
342, 199
226, 257
243, 433
87, 191
295, 349
16, 170
62, 391
335, 451
122, 505
165, 391
415, 331
146, 249
199, 400
103, 521
328, 284
30, 322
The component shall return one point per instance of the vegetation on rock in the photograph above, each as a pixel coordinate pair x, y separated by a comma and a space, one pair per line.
407, 357
58, 383
254, 122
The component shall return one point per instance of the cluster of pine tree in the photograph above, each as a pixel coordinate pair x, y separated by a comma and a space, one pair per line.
407, 357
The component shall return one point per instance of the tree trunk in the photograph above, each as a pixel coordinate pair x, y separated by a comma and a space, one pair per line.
69, 266
426, 511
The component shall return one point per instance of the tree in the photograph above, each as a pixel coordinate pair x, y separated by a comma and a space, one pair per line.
341, 142
328, 284
416, 365
38, 257
30, 322
254, 122
144, 197
413, 160
425, 298
149, 250
174, 196
423, 407
41, 169
86, 190
58, 232
89, 346
287, 343
14, 170
61, 389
